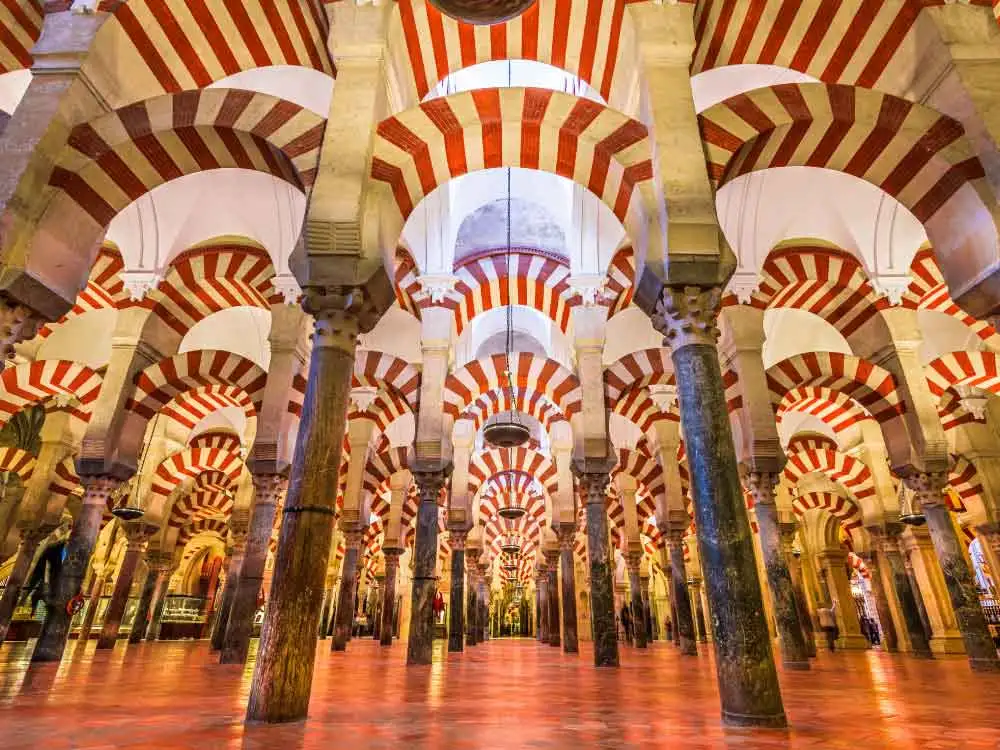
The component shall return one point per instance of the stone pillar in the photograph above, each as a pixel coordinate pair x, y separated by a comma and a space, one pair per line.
97, 584
889, 642
542, 584
282, 679
594, 478
472, 634
700, 621
239, 628
567, 534
647, 612
389, 594
140, 623
137, 534
833, 566
680, 599
484, 605
344, 617
748, 680
632, 560
795, 571
425, 549
55, 630
792, 644
456, 625
552, 568
30, 539
163, 572
962, 591
902, 584
238, 527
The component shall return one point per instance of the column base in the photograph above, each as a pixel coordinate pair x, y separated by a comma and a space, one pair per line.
800, 666
743, 720
688, 647
949, 643
984, 665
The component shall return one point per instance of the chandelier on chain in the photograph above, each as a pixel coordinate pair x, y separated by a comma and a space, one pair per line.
483, 12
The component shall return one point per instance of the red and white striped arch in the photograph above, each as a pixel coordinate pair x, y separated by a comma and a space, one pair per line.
964, 480
642, 466
597, 147
118, 157
211, 278
65, 481
497, 400
20, 27
17, 461
192, 461
538, 281
871, 386
618, 285
385, 408
974, 369
105, 289
819, 278
221, 439
179, 45
488, 463
835, 408
380, 370
928, 291
810, 37
916, 155
214, 527
189, 407
811, 441
638, 407
382, 465
34, 382
528, 373
581, 38
200, 503
848, 471
638, 369
407, 285
159, 384
842, 508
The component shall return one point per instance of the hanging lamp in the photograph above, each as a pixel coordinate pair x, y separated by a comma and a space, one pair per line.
482, 12
509, 432
124, 501
909, 513
512, 511
510, 545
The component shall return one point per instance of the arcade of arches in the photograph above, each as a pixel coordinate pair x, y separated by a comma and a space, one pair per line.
269, 269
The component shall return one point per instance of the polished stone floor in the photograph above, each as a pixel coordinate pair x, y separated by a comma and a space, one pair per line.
502, 694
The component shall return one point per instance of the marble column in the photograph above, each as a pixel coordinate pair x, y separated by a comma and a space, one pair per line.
238, 526
567, 537
902, 583
552, 568
747, 678
632, 560
788, 531
484, 608
141, 621
86, 526
97, 585
700, 620
647, 613
324, 617
163, 573
888, 628
137, 534
792, 643
425, 550
239, 627
282, 678
684, 626
594, 477
958, 577
472, 634
389, 594
542, 584
456, 625
30, 539
344, 617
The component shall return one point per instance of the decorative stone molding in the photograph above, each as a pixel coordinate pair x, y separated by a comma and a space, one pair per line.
437, 287
589, 287
457, 539
688, 315
892, 287
928, 487
17, 323
362, 397
337, 312
288, 287
663, 395
566, 533
140, 283
430, 481
762, 485
742, 286
352, 536
267, 488
97, 489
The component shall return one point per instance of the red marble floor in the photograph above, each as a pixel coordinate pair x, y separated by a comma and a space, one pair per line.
507, 694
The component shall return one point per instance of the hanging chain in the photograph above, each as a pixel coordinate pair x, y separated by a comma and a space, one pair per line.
509, 346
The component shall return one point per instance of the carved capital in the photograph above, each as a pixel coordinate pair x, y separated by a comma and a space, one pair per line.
633, 558
594, 484
267, 488
762, 486
457, 538
338, 313
352, 536
430, 481
17, 323
138, 534
97, 490
566, 533
928, 486
688, 315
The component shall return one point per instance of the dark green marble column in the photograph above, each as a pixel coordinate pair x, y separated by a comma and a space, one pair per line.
425, 549
788, 531
958, 576
389, 594
747, 678
239, 628
684, 628
632, 561
456, 624
794, 654
567, 569
344, 616
594, 477
86, 526
472, 636
282, 679
888, 545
